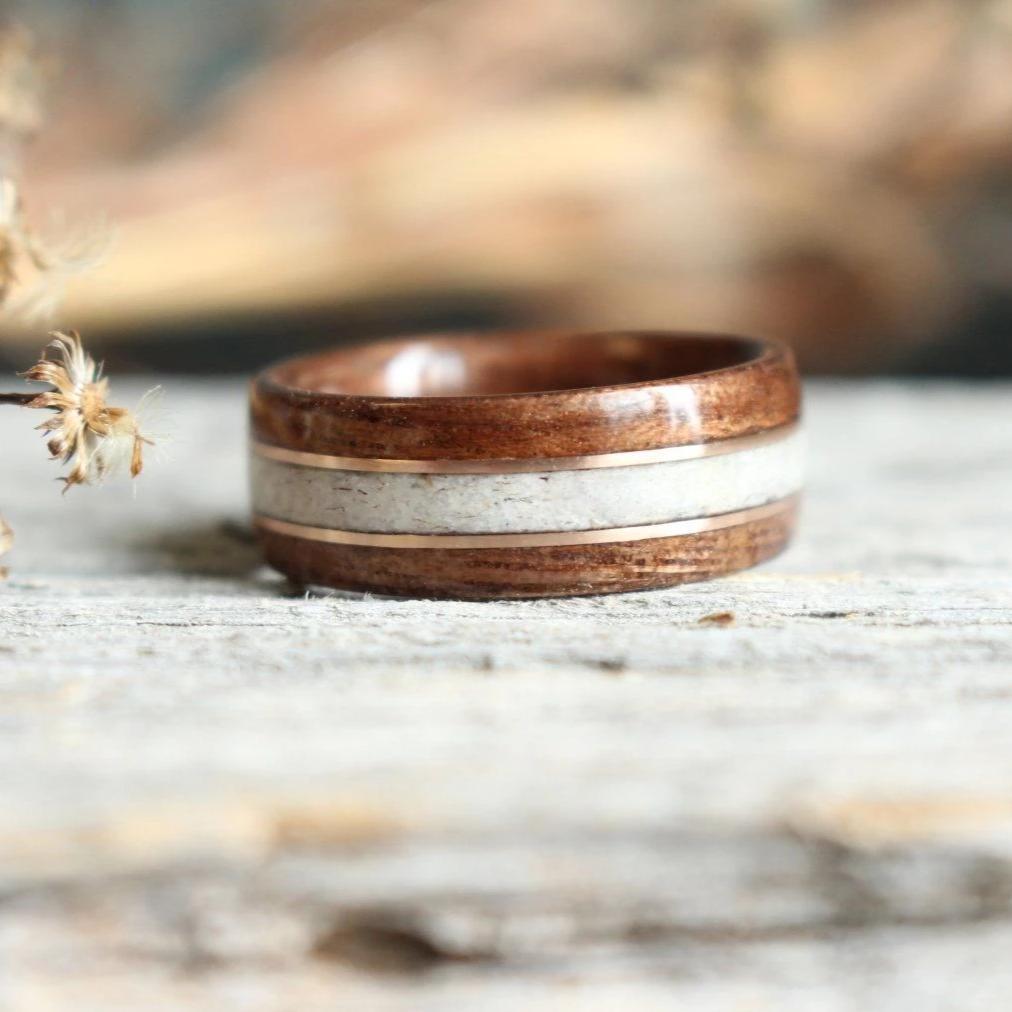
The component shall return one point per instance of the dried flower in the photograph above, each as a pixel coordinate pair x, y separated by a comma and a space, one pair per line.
56, 261
97, 439
36, 266
86, 432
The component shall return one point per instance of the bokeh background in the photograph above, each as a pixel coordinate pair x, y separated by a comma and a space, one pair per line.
286, 175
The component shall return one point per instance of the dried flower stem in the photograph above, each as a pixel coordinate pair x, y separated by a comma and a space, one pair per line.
82, 429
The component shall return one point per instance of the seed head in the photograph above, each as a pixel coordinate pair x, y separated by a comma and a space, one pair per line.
96, 439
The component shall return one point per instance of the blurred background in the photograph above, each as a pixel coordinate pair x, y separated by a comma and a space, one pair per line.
281, 176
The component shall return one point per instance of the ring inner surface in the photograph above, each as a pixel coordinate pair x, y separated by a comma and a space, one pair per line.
513, 364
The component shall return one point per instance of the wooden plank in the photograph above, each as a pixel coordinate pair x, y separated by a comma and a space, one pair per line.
218, 783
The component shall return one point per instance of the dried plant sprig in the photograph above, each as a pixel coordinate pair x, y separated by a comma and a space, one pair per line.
95, 438
36, 266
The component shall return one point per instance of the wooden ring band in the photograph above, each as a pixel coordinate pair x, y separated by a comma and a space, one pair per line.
526, 464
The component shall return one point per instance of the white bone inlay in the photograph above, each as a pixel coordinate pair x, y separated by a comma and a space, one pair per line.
527, 502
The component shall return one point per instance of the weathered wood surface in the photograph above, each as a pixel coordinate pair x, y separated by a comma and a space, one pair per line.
218, 791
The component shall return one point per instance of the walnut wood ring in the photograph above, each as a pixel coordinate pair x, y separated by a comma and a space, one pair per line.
526, 464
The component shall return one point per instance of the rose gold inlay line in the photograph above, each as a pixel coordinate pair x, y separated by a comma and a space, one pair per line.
516, 465
545, 539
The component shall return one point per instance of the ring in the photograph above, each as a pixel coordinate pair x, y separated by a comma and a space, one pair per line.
526, 464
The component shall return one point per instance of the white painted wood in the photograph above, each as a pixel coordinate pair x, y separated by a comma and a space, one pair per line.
539, 501
225, 793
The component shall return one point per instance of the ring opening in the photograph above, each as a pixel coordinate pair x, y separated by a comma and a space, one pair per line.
508, 363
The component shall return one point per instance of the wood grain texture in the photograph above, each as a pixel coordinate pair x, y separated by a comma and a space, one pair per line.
298, 405
225, 793
527, 394
494, 573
